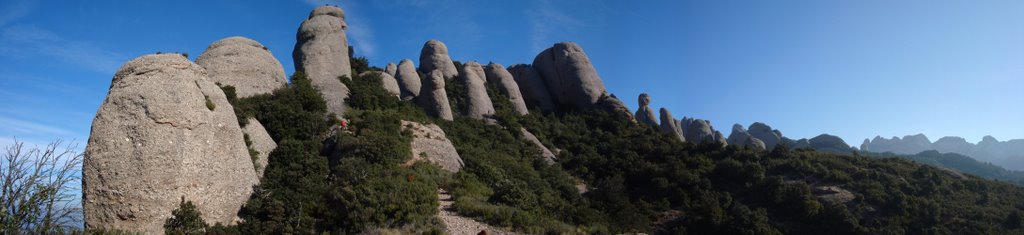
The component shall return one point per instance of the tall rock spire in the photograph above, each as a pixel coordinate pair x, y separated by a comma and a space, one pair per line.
322, 53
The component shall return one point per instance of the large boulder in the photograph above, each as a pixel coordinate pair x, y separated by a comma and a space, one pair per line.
535, 92
321, 52
765, 133
409, 83
570, 77
386, 80
829, 143
739, 135
644, 114
546, 153
391, 69
478, 103
754, 143
612, 104
164, 132
506, 84
257, 139
430, 144
244, 64
434, 56
669, 125
433, 97
699, 131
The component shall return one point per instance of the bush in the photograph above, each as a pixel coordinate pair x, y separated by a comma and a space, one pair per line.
185, 220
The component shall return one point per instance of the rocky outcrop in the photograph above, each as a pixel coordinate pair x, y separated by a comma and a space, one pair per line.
669, 125
532, 86
257, 139
430, 144
506, 84
699, 131
951, 144
546, 153
434, 56
387, 81
740, 137
244, 64
830, 143
570, 77
409, 83
162, 133
612, 104
391, 69
989, 149
765, 133
644, 114
321, 52
478, 103
433, 97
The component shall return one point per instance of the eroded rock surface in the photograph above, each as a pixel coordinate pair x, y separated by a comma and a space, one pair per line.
532, 86
506, 84
321, 52
433, 97
244, 64
409, 83
430, 144
164, 132
478, 103
434, 56
569, 75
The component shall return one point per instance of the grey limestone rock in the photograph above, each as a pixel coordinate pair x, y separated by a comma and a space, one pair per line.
391, 69
478, 103
569, 75
669, 125
430, 143
387, 81
260, 141
765, 133
164, 132
433, 97
244, 64
506, 84
546, 153
434, 56
532, 86
321, 52
644, 114
409, 82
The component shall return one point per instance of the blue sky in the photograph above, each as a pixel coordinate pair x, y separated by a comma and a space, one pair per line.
850, 68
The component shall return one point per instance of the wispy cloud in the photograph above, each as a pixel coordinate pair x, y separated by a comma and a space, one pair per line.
31, 41
23, 127
546, 19
359, 30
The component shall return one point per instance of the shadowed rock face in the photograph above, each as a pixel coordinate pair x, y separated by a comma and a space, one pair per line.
434, 56
433, 97
532, 86
546, 153
570, 77
765, 133
506, 84
164, 132
669, 125
261, 142
740, 137
644, 114
478, 103
409, 83
321, 52
244, 64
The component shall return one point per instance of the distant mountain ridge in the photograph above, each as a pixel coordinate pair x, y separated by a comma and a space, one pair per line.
1008, 154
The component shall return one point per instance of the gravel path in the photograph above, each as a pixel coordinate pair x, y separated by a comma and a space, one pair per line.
458, 225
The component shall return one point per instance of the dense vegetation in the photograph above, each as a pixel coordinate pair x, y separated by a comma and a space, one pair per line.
634, 179
960, 163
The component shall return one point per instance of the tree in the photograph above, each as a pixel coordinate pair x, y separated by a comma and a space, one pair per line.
185, 220
37, 195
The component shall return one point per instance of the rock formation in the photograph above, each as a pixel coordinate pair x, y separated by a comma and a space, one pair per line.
387, 81
699, 131
478, 103
430, 143
433, 97
532, 86
765, 133
434, 56
260, 141
546, 153
831, 143
740, 137
391, 69
321, 52
669, 126
244, 64
644, 114
409, 82
570, 77
163, 132
506, 84
612, 104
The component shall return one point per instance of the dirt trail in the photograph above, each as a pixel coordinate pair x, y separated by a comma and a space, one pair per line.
458, 225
